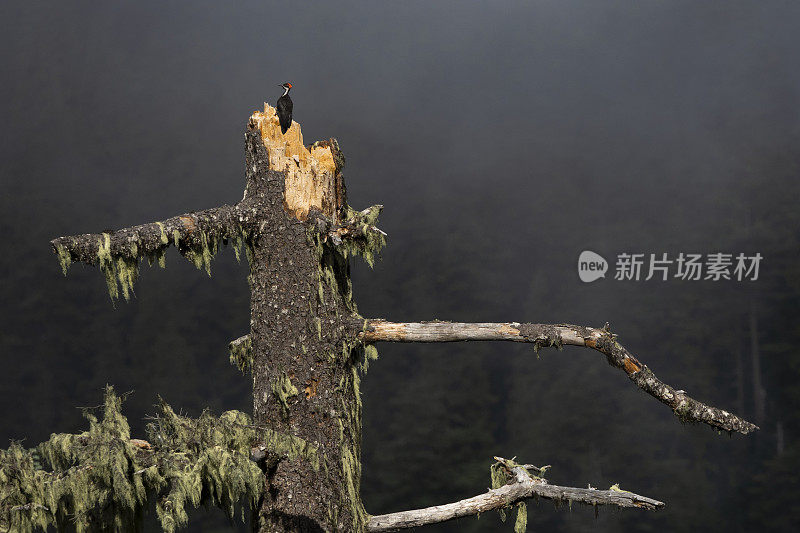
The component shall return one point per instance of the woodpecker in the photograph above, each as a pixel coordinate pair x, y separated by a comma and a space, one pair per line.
285, 108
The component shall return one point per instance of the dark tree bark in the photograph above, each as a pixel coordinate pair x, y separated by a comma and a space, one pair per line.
304, 357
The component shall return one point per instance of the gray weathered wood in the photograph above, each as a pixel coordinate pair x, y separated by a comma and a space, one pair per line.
523, 487
542, 335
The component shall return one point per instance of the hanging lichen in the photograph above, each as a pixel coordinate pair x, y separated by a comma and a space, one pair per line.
201, 254
283, 390
369, 240
499, 478
501, 473
120, 262
350, 445
358, 236
237, 240
370, 354
522, 518
89, 480
164, 238
100, 479
120, 271
64, 257
241, 353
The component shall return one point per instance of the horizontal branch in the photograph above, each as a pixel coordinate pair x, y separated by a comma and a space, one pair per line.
150, 239
543, 335
522, 487
197, 236
258, 452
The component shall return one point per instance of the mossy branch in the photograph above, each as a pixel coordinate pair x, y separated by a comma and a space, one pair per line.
101, 479
356, 235
512, 484
196, 235
544, 335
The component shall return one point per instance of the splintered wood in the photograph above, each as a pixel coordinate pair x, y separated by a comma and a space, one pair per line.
310, 171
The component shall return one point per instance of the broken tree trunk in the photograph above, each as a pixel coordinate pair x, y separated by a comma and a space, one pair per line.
303, 328
307, 344
303, 348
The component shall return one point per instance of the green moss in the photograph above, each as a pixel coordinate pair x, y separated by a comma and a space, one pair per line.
350, 448
354, 356
236, 243
289, 446
616, 488
370, 241
64, 258
499, 478
370, 354
497, 475
521, 524
160, 257
202, 253
283, 390
164, 238
241, 354
500, 474
121, 268
100, 481
202, 246
351, 469
366, 242
88, 480
120, 271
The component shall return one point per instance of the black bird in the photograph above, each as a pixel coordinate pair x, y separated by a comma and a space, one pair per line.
285, 108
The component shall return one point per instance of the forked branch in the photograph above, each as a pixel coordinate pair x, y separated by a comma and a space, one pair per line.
521, 486
542, 335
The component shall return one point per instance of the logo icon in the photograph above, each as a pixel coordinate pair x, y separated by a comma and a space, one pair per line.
591, 266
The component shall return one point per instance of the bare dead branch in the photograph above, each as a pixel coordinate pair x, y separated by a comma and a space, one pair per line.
543, 335
521, 487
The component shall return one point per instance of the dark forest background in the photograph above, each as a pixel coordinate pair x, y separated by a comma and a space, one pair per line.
503, 139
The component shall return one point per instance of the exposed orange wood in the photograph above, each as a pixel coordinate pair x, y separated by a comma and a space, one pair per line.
310, 171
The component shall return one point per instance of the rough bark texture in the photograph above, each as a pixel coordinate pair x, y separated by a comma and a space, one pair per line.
305, 380
151, 239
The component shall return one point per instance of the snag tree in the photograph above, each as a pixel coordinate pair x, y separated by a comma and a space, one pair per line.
297, 459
